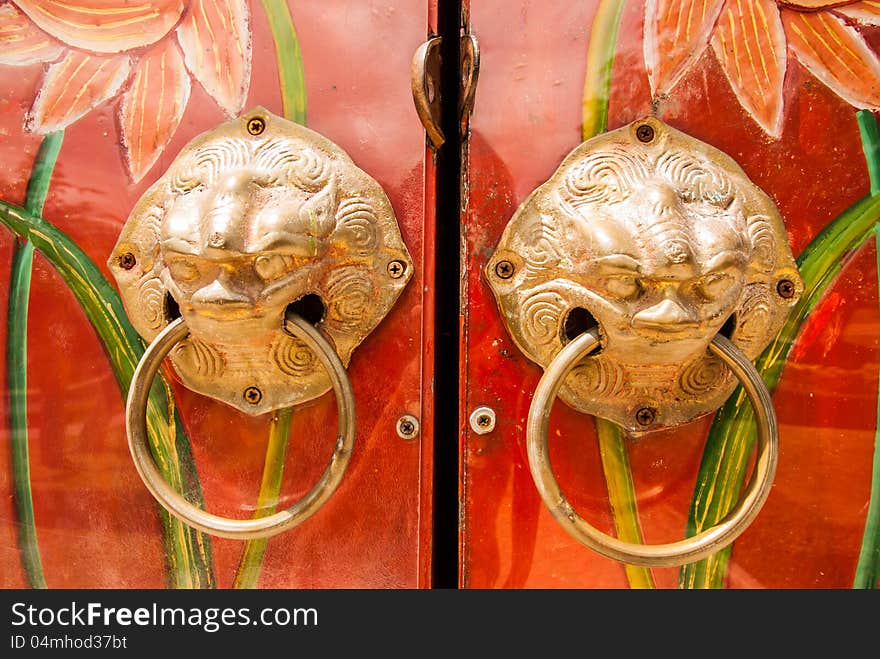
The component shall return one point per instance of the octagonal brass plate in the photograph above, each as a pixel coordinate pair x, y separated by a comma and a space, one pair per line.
662, 241
255, 217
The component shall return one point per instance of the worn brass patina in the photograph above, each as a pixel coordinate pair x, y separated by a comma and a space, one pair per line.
252, 217
662, 242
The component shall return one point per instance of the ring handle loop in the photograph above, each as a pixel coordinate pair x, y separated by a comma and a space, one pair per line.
224, 527
671, 554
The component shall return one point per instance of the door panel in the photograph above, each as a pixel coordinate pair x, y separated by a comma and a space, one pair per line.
96, 525
528, 115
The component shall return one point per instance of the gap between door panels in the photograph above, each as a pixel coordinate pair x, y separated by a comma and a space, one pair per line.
447, 312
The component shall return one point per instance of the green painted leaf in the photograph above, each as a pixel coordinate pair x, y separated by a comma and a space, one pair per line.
289, 59
16, 361
188, 551
732, 435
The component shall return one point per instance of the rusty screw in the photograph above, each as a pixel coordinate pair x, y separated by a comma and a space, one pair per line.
646, 416
785, 288
127, 261
396, 269
645, 133
256, 125
253, 395
407, 427
504, 269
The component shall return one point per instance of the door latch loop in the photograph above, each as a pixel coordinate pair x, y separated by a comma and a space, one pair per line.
224, 527
694, 548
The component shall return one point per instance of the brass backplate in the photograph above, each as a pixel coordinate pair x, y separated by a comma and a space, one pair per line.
253, 219
662, 241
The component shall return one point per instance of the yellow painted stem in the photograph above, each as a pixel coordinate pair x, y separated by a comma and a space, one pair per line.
250, 566
622, 496
600, 61
288, 57
615, 462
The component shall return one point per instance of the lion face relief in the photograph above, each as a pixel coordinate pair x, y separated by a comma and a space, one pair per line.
662, 242
254, 219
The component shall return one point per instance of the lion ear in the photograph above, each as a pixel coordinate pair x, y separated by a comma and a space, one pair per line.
357, 226
136, 266
763, 243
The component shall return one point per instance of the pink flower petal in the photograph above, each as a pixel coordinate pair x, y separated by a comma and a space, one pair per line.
866, 13
216, 41
153, 106
104, 26
73, 86
836, 54
21, 43
676, 34
749, 42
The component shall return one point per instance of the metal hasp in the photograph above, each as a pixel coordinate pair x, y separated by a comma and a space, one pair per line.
425, 87
661, 242
255, 219
425, 81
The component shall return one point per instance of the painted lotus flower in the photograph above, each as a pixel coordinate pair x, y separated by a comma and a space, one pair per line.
751, 39
142, 51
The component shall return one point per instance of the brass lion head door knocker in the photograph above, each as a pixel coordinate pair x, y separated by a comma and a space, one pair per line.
259, 261
658, 249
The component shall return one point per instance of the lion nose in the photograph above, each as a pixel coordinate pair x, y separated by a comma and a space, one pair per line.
667, 315
217, 293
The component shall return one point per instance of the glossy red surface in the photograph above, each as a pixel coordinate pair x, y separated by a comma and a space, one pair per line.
96, 523
527, 117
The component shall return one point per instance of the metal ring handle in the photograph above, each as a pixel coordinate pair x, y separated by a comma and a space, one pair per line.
661, 555
177, 505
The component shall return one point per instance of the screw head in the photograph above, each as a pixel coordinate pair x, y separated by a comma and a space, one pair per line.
127, 261
253, 395
504, 269
482, 420
645, 133
396, 269
646, 416
786, 289
407, 426
256, 125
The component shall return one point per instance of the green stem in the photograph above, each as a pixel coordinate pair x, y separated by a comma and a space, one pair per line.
871, 146
289, 58
612, 447
868, 567
248, 574
732, 435
188, 551
293, 98
16, 359
622, 495
600, 62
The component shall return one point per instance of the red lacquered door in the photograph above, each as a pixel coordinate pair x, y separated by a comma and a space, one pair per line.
788, 91
93, 112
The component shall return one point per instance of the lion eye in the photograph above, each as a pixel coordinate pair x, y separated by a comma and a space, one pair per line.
623, 287
713, 286
183, 270
270, 267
